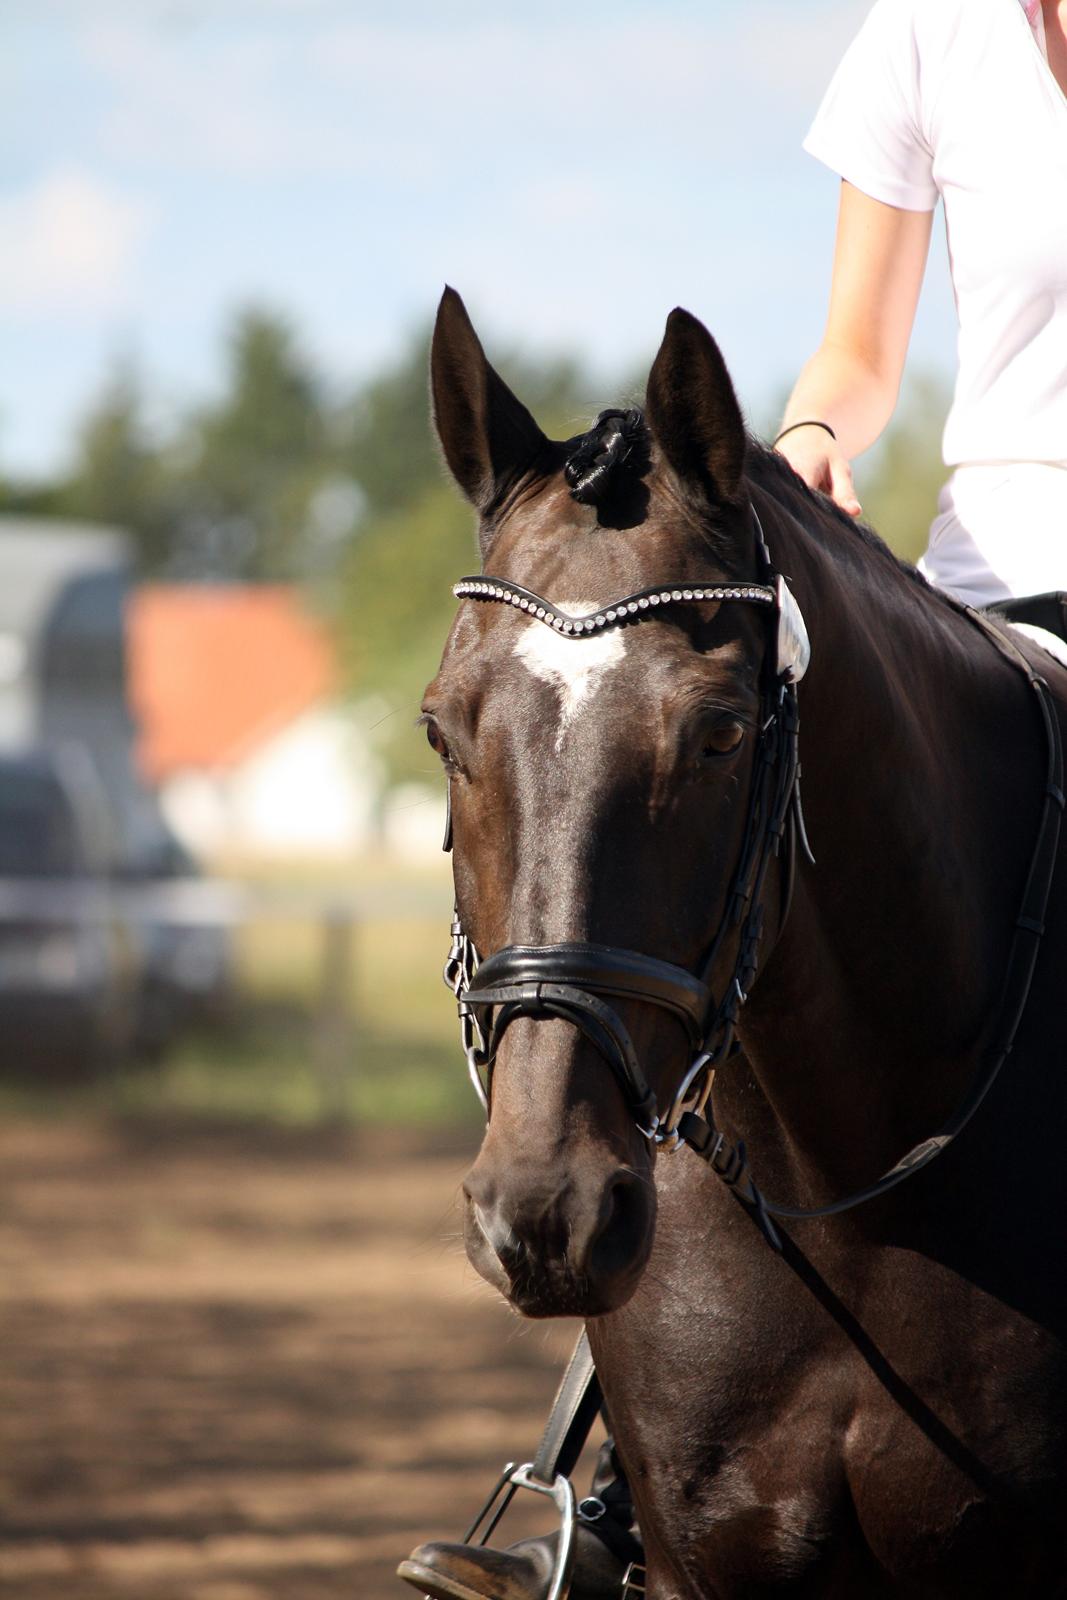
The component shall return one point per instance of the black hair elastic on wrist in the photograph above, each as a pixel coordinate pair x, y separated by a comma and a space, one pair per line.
812, 422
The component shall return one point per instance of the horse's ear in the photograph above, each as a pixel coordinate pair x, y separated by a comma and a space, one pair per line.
488, 437
693, 411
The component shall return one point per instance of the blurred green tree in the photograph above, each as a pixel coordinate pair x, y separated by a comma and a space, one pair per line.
418, 535
899, 481
274, 481
899, 478
118, 473
399, 608
390, 448
249, 487
252, 463
37, 499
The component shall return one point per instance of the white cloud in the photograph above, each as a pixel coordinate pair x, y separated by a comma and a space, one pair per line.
318, 89
645, 76
68, 243
238, 101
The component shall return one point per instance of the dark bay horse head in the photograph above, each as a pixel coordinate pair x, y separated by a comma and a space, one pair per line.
599, 784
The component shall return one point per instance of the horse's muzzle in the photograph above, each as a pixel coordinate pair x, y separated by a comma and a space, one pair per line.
557, 1243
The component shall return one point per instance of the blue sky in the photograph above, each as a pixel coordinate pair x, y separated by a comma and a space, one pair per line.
573, 170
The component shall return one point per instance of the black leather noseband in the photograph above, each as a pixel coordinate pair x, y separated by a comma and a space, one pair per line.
567, 981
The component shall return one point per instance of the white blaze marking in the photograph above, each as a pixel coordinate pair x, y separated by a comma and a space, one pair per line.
574, 667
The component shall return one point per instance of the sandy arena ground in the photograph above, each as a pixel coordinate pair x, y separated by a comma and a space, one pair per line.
244, 1366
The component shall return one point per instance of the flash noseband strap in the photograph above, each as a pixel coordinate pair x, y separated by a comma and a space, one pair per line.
619, 611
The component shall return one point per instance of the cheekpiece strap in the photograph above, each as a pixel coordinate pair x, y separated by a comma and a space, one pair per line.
619, 611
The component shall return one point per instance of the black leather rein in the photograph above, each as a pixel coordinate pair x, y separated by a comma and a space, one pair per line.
729, 1162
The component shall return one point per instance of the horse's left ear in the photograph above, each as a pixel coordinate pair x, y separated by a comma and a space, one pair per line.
488, 436
693, 411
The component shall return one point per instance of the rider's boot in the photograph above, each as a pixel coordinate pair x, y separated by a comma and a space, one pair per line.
606, 1544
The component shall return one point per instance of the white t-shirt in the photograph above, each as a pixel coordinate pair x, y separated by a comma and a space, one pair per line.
954, 98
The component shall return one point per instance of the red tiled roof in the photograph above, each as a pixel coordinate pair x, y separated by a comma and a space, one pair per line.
216, 671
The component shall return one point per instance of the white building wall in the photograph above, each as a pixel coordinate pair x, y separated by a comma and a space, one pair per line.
310, 791
413, 821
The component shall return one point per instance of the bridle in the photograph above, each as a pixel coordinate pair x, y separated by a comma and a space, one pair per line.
577, 981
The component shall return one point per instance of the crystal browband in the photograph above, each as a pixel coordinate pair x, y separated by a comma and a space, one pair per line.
633, 605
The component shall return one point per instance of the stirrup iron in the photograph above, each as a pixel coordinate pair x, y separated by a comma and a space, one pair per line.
561, 1492
633, 1582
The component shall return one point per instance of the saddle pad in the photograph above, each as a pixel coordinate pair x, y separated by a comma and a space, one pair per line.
1040, 617
1048, 641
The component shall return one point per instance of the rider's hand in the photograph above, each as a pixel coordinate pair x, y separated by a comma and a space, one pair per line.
819, 460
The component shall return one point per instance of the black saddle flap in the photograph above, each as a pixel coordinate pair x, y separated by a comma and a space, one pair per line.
1048, 611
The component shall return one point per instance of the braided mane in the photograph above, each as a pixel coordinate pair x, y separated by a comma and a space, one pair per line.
616, 447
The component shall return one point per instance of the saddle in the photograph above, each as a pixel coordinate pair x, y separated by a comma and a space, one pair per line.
1046, 611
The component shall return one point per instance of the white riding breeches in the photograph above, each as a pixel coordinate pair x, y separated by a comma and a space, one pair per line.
1000, 532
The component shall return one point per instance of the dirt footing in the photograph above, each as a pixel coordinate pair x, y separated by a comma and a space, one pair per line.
242, 1365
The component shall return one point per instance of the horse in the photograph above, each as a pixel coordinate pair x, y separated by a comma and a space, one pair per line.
864, 1400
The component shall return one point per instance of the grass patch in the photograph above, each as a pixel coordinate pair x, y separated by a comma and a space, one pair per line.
393, 971
266, 1069
269, 1071
364, 1037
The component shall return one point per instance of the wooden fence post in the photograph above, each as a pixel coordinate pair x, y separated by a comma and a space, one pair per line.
334, 1046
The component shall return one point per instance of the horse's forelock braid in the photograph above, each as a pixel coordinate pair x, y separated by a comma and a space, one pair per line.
608, 445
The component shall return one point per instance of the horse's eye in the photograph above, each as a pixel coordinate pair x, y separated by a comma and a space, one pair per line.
723, 739
436, 739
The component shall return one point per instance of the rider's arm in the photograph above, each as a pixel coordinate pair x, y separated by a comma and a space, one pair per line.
852, 380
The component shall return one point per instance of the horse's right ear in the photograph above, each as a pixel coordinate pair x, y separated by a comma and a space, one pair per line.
488, 437
693, 411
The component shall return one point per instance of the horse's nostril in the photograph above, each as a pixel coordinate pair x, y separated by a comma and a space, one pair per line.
498, 1234
627, 1198
624, 1219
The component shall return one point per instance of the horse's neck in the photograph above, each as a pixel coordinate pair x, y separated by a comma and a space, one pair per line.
921, 783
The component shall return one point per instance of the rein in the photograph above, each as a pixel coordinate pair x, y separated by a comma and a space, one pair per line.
571, 980
729, 1162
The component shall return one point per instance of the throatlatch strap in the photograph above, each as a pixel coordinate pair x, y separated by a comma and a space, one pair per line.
573, 1413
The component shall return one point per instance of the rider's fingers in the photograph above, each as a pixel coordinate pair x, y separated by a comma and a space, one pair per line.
842, 488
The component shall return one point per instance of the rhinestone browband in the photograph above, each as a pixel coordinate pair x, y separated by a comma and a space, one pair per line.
645, 600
